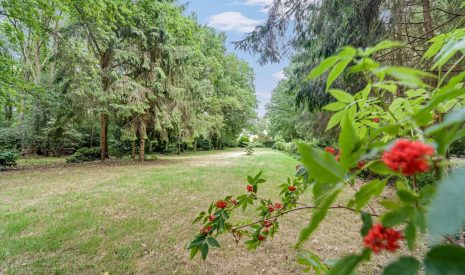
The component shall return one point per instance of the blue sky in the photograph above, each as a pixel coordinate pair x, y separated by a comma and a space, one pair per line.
236, 18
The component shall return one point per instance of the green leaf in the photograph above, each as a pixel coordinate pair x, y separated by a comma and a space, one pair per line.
213, 242
318, 216
342, 96
335, 119
194, 251
438, 41
448, 51
323, 67
348, 143
367, 223
337, 71
335, 106
446, 213
204, 251
445, 259
346, 265
372, 189
312, 261
397, 216
403, 266
410, 233
383, 45
450, 119
379, 167
322, 166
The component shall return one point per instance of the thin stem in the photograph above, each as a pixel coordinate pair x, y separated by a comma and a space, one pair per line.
298, 209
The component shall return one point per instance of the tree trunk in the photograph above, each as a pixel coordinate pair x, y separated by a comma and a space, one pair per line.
195, 145
133, 154
104, 65
92, 136
142, 136
103, 137
428, 22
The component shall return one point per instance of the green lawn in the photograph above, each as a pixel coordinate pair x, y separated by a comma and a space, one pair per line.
127, 218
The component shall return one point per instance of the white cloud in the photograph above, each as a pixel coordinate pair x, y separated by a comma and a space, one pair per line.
263, 4
233, 21
258, 2
279, 75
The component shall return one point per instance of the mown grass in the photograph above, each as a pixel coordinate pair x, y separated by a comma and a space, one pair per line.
130, 218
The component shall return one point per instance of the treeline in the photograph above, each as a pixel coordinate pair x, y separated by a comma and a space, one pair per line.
126, 76
322, 28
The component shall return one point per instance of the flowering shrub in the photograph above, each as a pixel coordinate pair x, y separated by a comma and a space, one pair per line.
418, 116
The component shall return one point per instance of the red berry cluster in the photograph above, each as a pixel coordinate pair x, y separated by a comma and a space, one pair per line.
276, 206
267, 223
221, 204
250, 188
206, 230
379, 238
261, 238
376, 120
408, 157
233, 202
330, 150
292, 188
211, 218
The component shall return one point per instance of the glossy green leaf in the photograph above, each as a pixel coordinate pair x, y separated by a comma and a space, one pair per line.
321, 165
323, 67
337, 71
335, 106
346, 265
342, 96
367, 223
446, 259
397, 216
454, 117
372, 189
446, 213
403, 266
410, 233
204, 251
336, 119
213, 242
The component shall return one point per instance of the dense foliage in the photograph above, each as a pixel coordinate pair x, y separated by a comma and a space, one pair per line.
400, 125
116, 74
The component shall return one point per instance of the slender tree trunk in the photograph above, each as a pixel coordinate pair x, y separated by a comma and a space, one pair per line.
428, 22
103, 136
104, 66
133, 154
195, 145
92, 136
142, 136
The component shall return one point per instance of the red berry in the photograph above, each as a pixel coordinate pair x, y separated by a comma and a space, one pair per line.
250, 188
330, 150
267, 223
270, 208
379, 238
278, 205
376, 120
361, 164
408, 157
233, 202
211, 218
266, 230
292, 188
261, 238
221, 204
205, 230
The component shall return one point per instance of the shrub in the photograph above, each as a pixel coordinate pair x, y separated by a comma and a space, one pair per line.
204, 145
84, 154
8, 158
279, 145
243, 140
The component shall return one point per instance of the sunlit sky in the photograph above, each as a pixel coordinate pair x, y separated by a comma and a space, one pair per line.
236, 18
